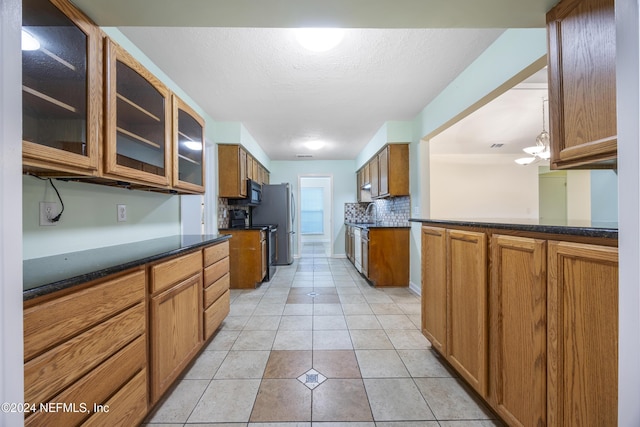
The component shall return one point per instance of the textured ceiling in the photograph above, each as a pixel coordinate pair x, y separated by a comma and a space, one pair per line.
394, 60
286, 95
514, 120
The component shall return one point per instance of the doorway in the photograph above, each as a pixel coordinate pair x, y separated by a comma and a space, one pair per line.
552, 193
315, 211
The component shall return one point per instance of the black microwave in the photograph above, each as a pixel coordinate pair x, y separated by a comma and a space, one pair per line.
254, 192
254, 195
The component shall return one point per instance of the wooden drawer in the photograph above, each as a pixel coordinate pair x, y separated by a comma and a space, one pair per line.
214, 315
216, 271
214, 291
167, 273
52, 322
127, 407
96, 387
51, 372
215, 253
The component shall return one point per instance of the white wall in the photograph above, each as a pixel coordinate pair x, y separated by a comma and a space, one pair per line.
628, 107
89, 219
11, 354
579, 195
327, 192
604, 196
482, 186
344, 188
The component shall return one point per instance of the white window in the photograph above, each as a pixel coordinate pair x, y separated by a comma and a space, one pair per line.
311, 210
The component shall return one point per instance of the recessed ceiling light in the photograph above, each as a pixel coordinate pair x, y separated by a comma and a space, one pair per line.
314, 145
319, 39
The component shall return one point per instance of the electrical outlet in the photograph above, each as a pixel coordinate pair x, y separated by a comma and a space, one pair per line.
122, 213
48, 210
416, 210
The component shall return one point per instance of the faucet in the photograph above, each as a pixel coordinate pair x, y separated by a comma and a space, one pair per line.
374, 218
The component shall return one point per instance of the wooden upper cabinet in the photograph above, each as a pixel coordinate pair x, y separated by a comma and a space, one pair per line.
61, 89
518, 330
188, 148
235, 166
250, 162
232, 171
138, 121
387, 172
373, 174
582, 84
583, 335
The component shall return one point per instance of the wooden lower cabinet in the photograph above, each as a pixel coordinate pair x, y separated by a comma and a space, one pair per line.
434, 287
388, 256
467, 330
175, 332
248, 257
176, 293
583, 335
216, 296
551, 321
111, 348
84, 348
518, 325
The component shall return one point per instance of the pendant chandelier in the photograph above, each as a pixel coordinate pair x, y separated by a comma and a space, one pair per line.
541, 150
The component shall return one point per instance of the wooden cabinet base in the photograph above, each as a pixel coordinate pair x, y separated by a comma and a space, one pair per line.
552, 321
214, 315
388, 257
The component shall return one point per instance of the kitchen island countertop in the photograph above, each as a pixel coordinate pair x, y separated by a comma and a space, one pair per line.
44, 275
367, 225
606, 230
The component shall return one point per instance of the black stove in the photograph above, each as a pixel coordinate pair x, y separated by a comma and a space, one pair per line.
272, 245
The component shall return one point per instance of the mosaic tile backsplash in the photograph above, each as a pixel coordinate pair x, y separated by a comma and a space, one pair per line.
223, 207
393, 211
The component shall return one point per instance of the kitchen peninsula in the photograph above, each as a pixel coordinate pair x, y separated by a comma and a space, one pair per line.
98, 324
527, 314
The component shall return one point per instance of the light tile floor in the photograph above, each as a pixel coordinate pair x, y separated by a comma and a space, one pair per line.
317, 345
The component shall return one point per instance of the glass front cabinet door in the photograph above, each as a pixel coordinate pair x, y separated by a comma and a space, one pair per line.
188, 148
138, 122
61, 88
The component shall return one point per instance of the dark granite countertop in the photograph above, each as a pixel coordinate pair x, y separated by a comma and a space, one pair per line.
248, 227
42, 276
367, 225
606, 230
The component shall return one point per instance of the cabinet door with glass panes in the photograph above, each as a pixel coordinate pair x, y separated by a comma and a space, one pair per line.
188, 148
138, 122
61, 88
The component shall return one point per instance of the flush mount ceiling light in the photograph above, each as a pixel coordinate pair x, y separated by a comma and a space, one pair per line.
314, 145
540, 151
319, 39
29, 42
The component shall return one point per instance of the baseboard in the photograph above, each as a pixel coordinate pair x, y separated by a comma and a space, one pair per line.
415, 288
339, 256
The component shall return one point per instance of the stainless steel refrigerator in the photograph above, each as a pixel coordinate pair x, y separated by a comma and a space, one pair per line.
278, 207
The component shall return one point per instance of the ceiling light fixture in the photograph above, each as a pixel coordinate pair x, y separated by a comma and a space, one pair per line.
319, 39
29, 42
314, 145
540, 151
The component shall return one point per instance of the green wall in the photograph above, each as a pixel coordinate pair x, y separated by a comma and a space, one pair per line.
515, 55
343, 173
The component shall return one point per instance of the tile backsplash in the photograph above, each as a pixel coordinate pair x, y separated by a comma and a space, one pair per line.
392, 211
223, 208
